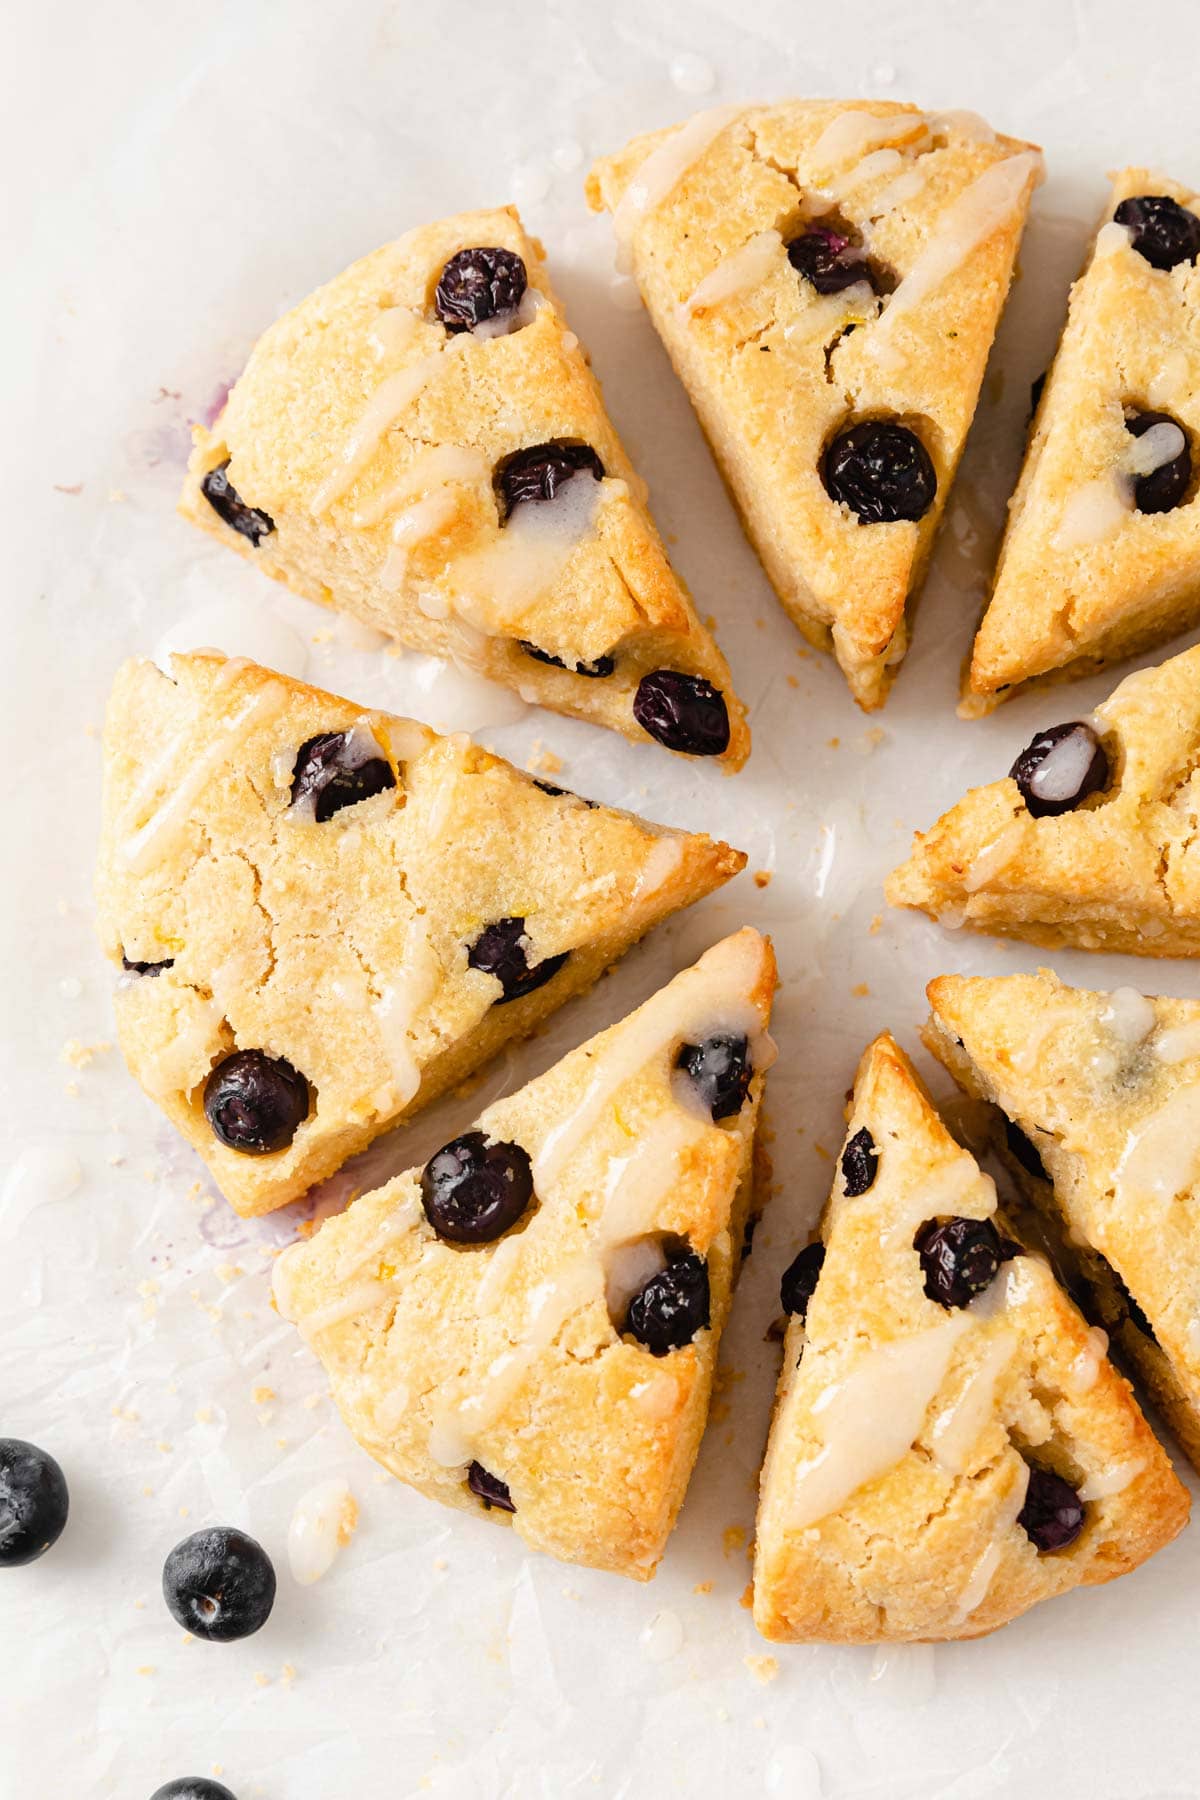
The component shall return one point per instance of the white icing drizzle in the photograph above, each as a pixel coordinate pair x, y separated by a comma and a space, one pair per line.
870, 1418
852, 136
441, 466
180, 1064
392, 329
418, 522
975, 1589
1170, 378
942, 1192
872, 166
392, 1408
741, 270
363, 1297
657, 1397
1110, 238
907, 185
664, 859
391, 399
662, 172
994, 857
399, 1005
1155, 448
1113, 1481
1161, 1158
505, 323
1084, 1371
528, 556
1101, 506
1178, 1043
322, 1522
966, 124
824, 313
399, 1220
1060, 774
1129, 1016
956, 1431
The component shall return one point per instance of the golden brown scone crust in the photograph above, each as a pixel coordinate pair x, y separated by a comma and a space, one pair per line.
597, 1437
1120, 873
1114, 1126
306, 388
1059, 611
905, 1555
775, 371
342, 946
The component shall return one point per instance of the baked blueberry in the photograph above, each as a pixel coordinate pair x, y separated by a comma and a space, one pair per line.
489, 1488
959, 1257
881, 471
193, 1787
249, 521
684, 712
1052, 1516
860, 1164
1162, 231
1059, 769
595, 671
720, 1069
147, 968
828, 260
33, 1502
672, 1306
475, 1188
537, 472
1166, 487
499, 950
219, 1584
331, 770
479, 284
255, 1103
800, 1278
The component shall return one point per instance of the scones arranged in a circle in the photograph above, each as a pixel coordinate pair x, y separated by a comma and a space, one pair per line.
529, 1325
950, 1444
422, 444
327, 916
827, 279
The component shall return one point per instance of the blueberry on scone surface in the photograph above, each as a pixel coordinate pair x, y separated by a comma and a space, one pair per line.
1101, 555
324, 916
527, 1326
422, 443
950, 1444
827, 277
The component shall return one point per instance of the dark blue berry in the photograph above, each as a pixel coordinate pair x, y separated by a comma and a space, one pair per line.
325, 768
1053, 1514
255, 1103
1162, 231
684, 712
721, 1070
595, 671
33, 1502
474, 1190
249, 521
860, 1164
1166, 487
1059, 769
828, 260
959, 1257
499, 950
193, 1787
537, 472
146, 968
672, 1306
477, 285
800, 1278
490, 1489
219, 1584
881, 471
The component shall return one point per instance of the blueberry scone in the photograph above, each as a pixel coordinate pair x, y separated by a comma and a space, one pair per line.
1102, 1095
827, 278
1101, 557
326, 916
422, 443
1093, 837
528, 1325
950, 1444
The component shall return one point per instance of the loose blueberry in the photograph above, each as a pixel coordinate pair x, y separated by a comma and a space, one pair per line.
33, 1502
477, 285
959, 1257
228, 504
860, 1164
1164, 232
800, 1278
474, 1190
721, 1070
537, 472
684, 712
499, 950
828, 261
219, 1584
1059, 769
255, 1103
881, 471
1024, 1150
147, 968
1165, 487
1052, 1516
489, 1488
326, 768
672, 1306
595, 671
193, 1787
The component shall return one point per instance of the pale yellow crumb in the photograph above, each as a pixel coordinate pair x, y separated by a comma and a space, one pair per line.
746, 1597
835, 743
324, 636
703, 1587
203, 1415
876, 925
822, 1152
762, 878
261, 1678
262, 1395
79, 1054
287, 1674
733, 1539
860, 990
147, 1669
542, 761
793, 681
229, 1272
763, 1668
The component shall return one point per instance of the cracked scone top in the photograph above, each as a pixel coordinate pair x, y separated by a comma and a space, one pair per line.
1106, 1090
422, 443
950, 1444
1092, 841
1101, 555
529, 1325
326, 916
827, 277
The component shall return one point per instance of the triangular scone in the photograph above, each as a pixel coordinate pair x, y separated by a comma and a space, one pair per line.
715, 219
530, 1324
382, 456
938, 1465
1119, 869
363, 911
1106, 1090
1085, 577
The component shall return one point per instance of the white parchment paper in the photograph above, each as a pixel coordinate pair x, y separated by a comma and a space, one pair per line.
176, 175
